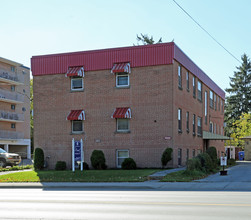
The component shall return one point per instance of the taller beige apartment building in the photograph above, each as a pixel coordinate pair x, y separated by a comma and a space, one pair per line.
15, 108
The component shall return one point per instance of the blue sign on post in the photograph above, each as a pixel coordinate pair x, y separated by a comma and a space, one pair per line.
77, 151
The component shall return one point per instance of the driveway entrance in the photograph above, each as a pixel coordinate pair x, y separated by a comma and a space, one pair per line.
239, 173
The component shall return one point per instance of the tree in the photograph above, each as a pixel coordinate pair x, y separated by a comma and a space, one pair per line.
239, 99
242, 129
145, 39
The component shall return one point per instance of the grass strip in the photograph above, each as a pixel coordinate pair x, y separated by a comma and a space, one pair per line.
184, 176
139, 175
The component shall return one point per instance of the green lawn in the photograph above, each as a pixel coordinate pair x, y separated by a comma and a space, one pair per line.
139, 175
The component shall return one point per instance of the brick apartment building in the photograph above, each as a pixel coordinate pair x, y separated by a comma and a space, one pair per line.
15, 107
128, 102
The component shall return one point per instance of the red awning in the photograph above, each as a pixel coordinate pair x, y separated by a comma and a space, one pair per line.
122, 113
76, 115
121, 68
75, 71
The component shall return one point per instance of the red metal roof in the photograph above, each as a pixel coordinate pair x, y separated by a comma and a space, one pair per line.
122, 113
138, 56
121, 68
75, 71
76, 115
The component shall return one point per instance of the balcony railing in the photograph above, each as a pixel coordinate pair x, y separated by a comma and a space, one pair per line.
11, 78
9, 116
11, 97
11, 135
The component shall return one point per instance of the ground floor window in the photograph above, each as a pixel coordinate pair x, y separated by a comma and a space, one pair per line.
179, 156
187, 154
193, 152
77, 126
121, 156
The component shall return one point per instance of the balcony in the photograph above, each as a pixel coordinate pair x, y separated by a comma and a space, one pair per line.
11, 117
11, 135
11, 97
11, 78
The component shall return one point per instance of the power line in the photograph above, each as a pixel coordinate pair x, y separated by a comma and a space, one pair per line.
207, 32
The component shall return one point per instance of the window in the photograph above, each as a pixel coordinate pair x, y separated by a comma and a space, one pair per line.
122, 124
187, 119
218, 103
187, 154
199, 151
205, 107
77, 126
179, 77
199, 126
13, 69
77, 84
13, 88
194, 87
211, 99
215, 128
121, 156
122, 80
187, 77
211, 127
179, 120
13, 125
193, 152
13, 107
193, 124
179, 156
199, 91
221, 106
215, 102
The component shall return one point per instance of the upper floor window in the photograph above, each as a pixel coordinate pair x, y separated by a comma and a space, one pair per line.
187, 120
13, 69
205, 107
194, 124
187, 78
77, 83
218, 103
199, 91
77, 126
199, 128
211, 99
179, 77
122, 124
122, 80
179, 120
221, 106
215, 102
211, 127
194, 87
13, 88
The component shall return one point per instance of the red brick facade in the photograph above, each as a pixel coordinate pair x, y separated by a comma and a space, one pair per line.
154, 99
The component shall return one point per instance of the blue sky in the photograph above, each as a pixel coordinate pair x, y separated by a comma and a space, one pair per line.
37, 27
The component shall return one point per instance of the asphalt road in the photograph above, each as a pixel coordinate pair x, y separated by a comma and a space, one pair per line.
78, 204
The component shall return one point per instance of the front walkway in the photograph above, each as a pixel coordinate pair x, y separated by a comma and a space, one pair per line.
159, 175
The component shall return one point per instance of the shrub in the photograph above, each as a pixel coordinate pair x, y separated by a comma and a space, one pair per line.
98, 160
231, 162
38, 159
194, 164
206, 162
60, 165
85, 166
212, 152
166, 156
129, 164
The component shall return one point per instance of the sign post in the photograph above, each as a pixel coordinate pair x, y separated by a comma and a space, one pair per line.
223, 162
77, 153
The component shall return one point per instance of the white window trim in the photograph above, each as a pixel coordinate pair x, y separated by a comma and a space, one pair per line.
118, 126
121, 86
81, 89
77, 132
117, 158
